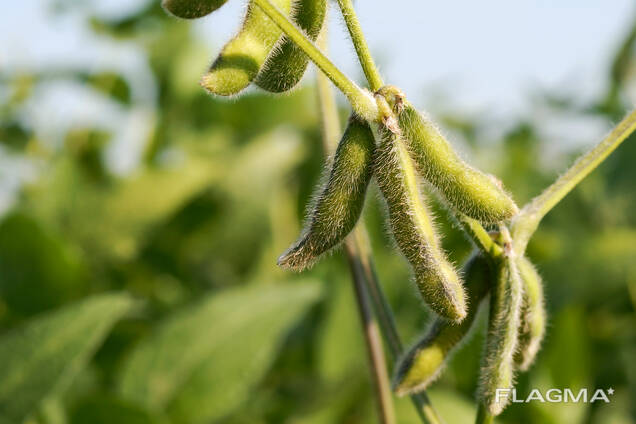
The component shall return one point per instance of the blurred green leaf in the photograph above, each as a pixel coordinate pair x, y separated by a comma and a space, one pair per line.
105, 409
201, 361
37, 270
42, 357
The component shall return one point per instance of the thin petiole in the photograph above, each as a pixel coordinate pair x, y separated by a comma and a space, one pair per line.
362, 49
526, 223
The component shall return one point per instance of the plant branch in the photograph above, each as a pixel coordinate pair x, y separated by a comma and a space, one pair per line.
360, 44
361, 101
526, 223
483, 416
372, 337
479, 235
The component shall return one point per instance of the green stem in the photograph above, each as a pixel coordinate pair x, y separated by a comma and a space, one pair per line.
360, 44
361, 101
479, 235
526, 223
483, 416
372, 337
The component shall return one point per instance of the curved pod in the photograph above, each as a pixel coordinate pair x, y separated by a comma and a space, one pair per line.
498, 363
340, 202
413, 228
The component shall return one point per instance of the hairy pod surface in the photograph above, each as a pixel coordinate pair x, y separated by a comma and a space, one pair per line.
191, 9
413, 229
421, 365
286, 65
468, 190
243, 57
498, 363
533, 315
340, 202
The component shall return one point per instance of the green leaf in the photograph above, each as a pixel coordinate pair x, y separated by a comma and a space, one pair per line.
202, 361
39, 271
106, 409
42, 357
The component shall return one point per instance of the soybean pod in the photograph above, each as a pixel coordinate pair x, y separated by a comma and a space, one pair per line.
340, 202
533, 315
191, 9
243, 57
287, 63
413, 228
421, 364
497, 373
468, 190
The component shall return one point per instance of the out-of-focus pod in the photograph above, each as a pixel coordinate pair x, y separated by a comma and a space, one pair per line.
242, 58
287, 63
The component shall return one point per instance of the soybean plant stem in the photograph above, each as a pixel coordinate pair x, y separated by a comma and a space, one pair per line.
360, 44
528, 219
361, 101
483, 416
372, 336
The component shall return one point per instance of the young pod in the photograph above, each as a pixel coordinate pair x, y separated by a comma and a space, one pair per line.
533, 315
421, 365
287, 63
497, 371
413, 228
340, 202
191, 9
468, 190
243, 57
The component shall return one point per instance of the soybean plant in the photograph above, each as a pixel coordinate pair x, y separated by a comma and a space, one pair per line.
387, 139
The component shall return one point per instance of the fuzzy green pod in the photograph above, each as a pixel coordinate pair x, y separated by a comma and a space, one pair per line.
533, 315
421, 365
468, 190
191, 9
340, 202
497, 373
243, 57
286, 65
413, 228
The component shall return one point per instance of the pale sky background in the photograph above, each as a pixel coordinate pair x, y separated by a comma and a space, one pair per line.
485, 57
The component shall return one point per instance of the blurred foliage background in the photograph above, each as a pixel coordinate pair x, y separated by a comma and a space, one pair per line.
151, 295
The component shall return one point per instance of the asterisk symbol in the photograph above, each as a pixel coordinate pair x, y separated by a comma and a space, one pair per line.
610, 391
